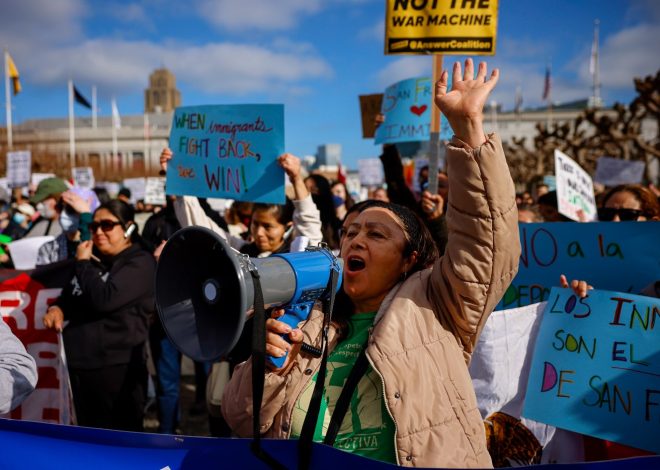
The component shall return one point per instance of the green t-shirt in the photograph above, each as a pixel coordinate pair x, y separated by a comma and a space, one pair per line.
367, 429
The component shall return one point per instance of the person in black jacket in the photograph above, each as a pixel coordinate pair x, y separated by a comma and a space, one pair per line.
107, 304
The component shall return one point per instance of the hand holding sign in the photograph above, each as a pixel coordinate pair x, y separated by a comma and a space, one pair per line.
463, 105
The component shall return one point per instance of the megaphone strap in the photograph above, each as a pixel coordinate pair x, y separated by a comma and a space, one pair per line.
309, 425
259, 372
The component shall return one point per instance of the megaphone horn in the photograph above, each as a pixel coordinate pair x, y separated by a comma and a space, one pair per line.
204, 289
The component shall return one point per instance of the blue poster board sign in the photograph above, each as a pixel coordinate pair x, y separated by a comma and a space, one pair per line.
407, 110
612, 256
596, 367
228, 151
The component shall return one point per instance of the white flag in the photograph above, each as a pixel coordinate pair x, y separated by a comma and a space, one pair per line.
116, 120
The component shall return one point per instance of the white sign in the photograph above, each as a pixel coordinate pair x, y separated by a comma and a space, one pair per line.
575, 190
19, 165
371, 171
37, 178
137, 187
24, 252
154, 193
614, 171
83, 177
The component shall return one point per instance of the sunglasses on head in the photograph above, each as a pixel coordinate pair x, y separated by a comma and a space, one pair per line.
606, 214
105, 225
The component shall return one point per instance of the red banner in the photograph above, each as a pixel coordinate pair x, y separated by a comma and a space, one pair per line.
24, 299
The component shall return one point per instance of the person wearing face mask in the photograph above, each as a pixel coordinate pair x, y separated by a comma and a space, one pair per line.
20, 221
46, 198
74, 216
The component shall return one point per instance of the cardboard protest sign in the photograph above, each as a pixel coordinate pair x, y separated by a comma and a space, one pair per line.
614, 171
441, 27
370, 171
614, 256
228, 152
575, 190
154, 192
370, 107
596, 367
137, 187
19, 168
83, 177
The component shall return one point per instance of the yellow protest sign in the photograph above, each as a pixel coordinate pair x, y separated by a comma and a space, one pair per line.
441, 27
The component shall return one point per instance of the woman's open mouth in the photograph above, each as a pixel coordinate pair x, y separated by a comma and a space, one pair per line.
354, 264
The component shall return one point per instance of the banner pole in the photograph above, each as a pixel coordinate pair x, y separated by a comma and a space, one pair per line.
434, 151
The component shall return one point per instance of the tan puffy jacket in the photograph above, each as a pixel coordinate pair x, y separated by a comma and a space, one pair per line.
426, 328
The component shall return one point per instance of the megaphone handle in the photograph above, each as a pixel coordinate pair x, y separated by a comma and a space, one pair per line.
293, 315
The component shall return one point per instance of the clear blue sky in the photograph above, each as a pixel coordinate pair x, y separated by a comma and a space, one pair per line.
315, 56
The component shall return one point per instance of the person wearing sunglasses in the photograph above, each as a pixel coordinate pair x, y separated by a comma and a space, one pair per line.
107, 305
629, 203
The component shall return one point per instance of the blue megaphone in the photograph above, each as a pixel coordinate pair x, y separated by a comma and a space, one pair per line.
205, 290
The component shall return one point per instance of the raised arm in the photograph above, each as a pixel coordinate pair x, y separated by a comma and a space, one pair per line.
483, 245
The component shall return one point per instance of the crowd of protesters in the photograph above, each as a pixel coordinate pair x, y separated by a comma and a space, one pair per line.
107, 311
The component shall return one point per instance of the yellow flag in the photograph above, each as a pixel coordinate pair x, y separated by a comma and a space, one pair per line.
13, 74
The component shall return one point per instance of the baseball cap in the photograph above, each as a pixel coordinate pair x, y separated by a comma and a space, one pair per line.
49, 187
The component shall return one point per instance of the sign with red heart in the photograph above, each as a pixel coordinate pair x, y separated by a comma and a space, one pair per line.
418, 110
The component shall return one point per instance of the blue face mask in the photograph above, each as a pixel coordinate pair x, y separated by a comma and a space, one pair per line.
69, 222
337, 200
19, 218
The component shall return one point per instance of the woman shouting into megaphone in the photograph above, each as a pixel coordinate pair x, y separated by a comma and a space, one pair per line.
415, 317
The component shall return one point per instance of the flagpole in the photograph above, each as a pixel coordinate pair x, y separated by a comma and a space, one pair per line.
435, 150
94, 107
72, 138
147, 156
10, 140
114, 138
593, 65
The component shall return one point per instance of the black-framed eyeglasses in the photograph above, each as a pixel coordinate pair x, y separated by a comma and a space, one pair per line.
105, 225
606, 214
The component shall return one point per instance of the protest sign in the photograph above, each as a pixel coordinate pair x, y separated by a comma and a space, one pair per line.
155, 191
228, 152
370, 171
441, 27
407, 113
83, 177
575, 190
613, 256
24, 252
24, 299
37, 178
369, 108
596, 367
19, 165
137, 187
5, 192
614, 171
406, 108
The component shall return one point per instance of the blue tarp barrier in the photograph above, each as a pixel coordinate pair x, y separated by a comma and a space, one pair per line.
32, 445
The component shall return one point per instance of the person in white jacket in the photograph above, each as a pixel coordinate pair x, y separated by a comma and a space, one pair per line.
18, 371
